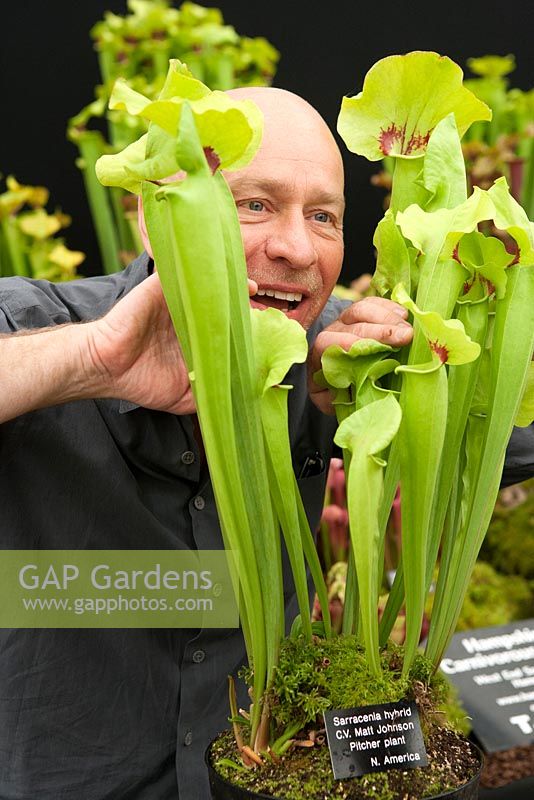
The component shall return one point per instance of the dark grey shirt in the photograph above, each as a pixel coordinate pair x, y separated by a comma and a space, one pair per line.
122, 714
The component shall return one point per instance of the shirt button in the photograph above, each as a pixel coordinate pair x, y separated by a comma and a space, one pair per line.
199, 502
188, 738
188, 457
199, 656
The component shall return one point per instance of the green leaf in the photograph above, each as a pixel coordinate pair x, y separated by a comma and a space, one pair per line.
18, 195
228, 127
352, 374
371, 428
403, 99
39, 224
342, 368
444, 167
442, 229
230, 130
194, 230
380, 370
124, 169
525, 415
279, 342
394, 261
447, 339
365, 434
421, 439
492, 66
180, 82
485, 256
509, 216
511, 354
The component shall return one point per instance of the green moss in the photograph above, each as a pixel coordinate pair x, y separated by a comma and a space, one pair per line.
494, 599
323, 674
300, 781
454, 714
306, 774
509, 544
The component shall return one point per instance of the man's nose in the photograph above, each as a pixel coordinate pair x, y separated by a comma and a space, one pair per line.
291, 240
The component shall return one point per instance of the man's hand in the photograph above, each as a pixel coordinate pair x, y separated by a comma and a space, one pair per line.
135, 352
370, 318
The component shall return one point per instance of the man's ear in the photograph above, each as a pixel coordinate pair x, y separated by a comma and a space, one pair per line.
142, 227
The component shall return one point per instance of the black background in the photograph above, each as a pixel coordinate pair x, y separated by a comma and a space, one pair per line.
49, 70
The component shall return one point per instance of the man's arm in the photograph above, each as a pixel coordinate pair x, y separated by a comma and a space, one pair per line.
131, 353
43, 367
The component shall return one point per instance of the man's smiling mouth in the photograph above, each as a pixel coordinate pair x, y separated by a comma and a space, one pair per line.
285, 301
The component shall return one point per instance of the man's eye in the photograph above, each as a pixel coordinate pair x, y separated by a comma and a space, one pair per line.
322, 216
255, 205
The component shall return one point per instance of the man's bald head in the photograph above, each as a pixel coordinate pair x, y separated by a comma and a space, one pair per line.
290, 123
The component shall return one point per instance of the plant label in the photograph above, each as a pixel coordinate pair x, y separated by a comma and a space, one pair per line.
374, 739
493, 670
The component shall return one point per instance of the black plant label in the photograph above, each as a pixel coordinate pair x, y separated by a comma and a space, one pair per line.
374, 738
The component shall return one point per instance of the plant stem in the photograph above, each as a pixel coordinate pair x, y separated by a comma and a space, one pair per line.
527, 193
90, 150
123, 227
13, 242
513, 344
405, 190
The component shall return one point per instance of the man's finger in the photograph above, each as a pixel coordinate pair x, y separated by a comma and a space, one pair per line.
374, 309
346, 335
396, 335
252, 288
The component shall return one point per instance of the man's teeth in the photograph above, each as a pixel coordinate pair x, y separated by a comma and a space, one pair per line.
294, 296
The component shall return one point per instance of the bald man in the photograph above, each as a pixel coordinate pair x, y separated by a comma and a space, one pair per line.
99, 449
290, 204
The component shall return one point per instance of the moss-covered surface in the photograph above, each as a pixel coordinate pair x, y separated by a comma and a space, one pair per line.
453, 714
493, 599
509, 543
313, 677
306, 774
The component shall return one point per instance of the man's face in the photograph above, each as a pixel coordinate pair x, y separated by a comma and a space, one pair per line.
290, 205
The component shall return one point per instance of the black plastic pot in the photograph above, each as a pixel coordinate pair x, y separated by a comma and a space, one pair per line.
222, 789
517, 790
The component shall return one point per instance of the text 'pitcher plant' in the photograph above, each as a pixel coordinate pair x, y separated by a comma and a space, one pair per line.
441, 412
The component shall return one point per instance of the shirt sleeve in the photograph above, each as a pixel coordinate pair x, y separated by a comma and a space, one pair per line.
4, 323
519, 462
26, 304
